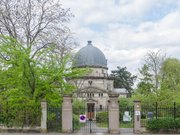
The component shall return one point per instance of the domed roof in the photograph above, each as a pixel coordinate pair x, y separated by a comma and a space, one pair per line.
90, 56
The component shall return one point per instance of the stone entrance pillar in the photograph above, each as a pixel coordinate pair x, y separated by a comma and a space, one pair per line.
113, 107
44, 117
67, 114
137, 116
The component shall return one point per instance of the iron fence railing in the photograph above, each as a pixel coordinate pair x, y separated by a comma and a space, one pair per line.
20, 116
96, 120
54, 119
126, 116
159, 112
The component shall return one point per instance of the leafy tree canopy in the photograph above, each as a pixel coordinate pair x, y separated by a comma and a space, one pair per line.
21, 75
123, 79
145, 86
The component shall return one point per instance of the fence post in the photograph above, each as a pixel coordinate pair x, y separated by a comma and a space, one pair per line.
137, 116
67, 114
44, 116
174, 110
113, 107
156, 110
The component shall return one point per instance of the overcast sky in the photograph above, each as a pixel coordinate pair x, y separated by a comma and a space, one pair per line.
126, 29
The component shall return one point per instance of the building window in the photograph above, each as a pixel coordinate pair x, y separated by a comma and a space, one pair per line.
108, 86
100, 94
100, 107
102, 71
90, 95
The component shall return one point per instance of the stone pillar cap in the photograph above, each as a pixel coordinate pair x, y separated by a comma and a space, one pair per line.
67, 95
136, 101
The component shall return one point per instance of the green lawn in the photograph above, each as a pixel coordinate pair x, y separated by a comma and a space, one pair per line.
103, 125
126, 125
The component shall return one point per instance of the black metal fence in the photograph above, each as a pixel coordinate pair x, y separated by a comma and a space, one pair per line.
126, 116
96, 120
1, 116
54, 119
20, 116
159, 112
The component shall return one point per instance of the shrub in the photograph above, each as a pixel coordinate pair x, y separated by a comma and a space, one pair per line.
168, 123
177, 122
101, 117
76, 123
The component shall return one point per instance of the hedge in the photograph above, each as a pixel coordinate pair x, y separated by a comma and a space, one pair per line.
101, 117
166, 123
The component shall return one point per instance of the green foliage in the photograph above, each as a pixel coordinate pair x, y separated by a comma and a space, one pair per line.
77, 103
145, 86
25, 81
169, 88
78, 107
148, 100
76, 123
171, 74
166, 123
101, 117
38, 79
20, 111
123, 79
124, 102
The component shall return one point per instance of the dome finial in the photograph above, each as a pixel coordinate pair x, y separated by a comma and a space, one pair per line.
89, 42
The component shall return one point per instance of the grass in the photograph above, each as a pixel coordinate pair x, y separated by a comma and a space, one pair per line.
103, 125
126, 125
122, 125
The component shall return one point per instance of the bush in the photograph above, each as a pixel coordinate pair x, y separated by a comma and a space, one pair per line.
168, 123
20, 113
101, 117
177, 122
78, 107
76, 123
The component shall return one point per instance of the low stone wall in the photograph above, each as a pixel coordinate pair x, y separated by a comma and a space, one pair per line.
169, 131
161, 131
5, 129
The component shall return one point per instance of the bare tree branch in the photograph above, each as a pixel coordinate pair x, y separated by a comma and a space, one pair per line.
36, 23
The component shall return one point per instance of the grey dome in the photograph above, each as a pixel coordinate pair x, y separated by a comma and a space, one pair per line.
90, 56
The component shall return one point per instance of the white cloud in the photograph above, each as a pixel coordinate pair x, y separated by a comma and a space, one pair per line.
129, 29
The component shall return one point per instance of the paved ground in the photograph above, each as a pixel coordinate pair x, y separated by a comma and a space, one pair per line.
93, 127
73, 134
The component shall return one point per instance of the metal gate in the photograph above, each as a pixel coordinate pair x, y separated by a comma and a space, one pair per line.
96, 120
54, 119
126, 119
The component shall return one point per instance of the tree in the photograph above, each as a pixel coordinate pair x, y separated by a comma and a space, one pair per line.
35, 79
154, 62
171, 74
123, 79
37, 25
38, 44
145, 86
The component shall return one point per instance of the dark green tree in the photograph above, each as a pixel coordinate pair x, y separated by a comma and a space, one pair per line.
145, 86
123, 79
